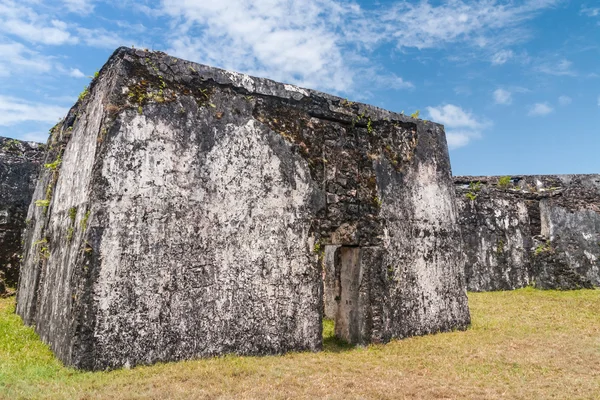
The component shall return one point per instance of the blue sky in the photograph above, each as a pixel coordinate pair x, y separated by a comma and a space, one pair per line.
515, 82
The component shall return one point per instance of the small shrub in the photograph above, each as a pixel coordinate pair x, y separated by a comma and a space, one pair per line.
11, 145
415, 114
42, 203
53, 166
45, 252
475, 186
317, 247
504, 182
84, 94
474, 189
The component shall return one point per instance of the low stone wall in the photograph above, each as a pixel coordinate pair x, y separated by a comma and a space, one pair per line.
188, 210
542, 230
19, 166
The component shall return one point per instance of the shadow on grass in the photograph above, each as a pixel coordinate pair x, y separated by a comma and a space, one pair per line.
331, 343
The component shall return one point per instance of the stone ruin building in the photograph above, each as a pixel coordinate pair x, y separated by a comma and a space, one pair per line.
530, 230
187, 211
19, 166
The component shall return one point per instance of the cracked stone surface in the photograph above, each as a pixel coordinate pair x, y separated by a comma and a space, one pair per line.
192, 207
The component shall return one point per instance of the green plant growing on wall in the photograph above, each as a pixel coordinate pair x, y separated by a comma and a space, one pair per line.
41, 241
470, 196
11, 145
377, 201
84, 94
84, 220
72, 213
357, 119
415, 114
543, 248
45, 252
317, 248
72, 217
390, 273
474, 189
42, 203
70, 233
53, 166
504, 182
500, 247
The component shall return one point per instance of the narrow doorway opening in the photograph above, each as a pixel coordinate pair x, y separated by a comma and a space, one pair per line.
343, 316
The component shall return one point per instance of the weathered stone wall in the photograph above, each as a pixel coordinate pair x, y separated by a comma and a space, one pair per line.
542, 230
19, 166
190, 207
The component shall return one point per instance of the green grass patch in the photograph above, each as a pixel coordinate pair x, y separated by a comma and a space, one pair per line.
525, 344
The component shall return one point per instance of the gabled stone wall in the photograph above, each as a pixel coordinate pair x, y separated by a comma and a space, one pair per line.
542, 230
189, 208
19, 166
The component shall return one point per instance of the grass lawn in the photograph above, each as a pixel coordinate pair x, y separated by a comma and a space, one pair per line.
524, 344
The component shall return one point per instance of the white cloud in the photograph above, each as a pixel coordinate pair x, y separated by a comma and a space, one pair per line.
598, 100
564, 100
454, 117
17, 58
502, 96
288, 40
76, 73
461, 126
558, 68
540, 109
481, 23
83, 7
312, 42
14, 110
386, 79
458, 139
501, 57
101, 38
25, 23
590, 11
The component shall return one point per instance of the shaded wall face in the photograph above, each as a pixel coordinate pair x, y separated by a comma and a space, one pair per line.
408, 279
547, 225
19, 166
570, 258
497, 241
423, 266
190, 211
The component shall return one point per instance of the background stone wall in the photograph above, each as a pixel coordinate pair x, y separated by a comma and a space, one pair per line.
542, 230
19, 166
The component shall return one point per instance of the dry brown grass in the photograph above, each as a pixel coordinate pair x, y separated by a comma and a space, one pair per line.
524, 344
